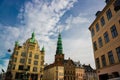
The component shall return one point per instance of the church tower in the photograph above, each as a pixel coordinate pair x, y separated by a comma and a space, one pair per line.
59, 56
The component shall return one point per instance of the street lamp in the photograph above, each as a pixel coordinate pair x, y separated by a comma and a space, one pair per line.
2, 75
9, 73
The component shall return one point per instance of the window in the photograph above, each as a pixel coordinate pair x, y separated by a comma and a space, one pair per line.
28, 68
36, 56
60, 74
35, 69
102, 21
117, 5
97, 27
16, 52
114, 31
21, 67
42, 57
29, 61
97, 63
95, 46
106, 37
109, 14
30, 54
35, 62
13, 67
111, 58
23, 54
100, 42
41, 69
115, 74
92, 32
15, 59
103, 60
118, 52
22, 60
42, 63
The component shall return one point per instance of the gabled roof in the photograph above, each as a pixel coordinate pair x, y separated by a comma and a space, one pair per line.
69, 60
88, 68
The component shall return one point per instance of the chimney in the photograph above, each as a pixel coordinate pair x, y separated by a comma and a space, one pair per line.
97, 13
107, 1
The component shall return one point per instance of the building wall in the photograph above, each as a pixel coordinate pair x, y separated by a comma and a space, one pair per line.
60, 73
54, 73
111, 45
90, 76
69, 70
31, 57
79, 73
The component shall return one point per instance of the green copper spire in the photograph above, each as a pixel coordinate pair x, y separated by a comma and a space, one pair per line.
59, 45
16, 43
33, 35
32, 40
43, 49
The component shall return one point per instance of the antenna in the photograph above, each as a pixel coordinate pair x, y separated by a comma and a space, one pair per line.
59, 29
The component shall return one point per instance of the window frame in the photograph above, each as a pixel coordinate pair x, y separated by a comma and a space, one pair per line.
97, 27
118, 52
34, 69
92, 32
23, 54
22, 60
102, 20
111, 57
100, 42
35, 62
103, 60
106, 37
95, 46
36, 56
97, 60
114, 32
109, 14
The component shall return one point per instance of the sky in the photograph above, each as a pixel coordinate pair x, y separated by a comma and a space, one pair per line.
19, 18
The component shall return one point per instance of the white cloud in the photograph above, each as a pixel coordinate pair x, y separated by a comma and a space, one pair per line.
39, 17
4, 66
42, 17
77, 20
79, 49
77, 43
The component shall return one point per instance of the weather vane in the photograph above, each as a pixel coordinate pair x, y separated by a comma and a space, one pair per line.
59, 29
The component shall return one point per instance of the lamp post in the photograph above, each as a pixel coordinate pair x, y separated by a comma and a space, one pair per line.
9, 73
2, 75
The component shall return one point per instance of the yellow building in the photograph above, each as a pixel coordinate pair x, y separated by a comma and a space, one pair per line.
105, 31
53, 72
79, 71
62, 69
26, 62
